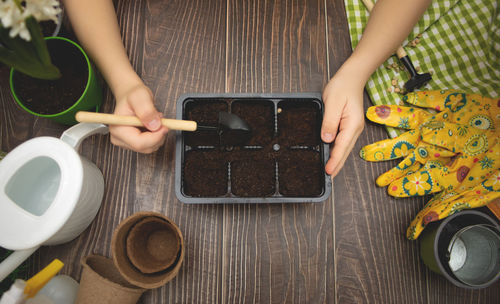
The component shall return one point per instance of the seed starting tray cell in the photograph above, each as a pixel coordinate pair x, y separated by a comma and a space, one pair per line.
283, 161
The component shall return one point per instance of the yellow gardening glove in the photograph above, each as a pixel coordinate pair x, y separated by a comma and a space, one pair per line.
477, 112
452, 106
475, 152
447, 203
466, 167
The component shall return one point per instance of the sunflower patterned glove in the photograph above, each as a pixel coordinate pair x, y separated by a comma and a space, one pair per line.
480, 184
474, 112
475, 155
447, 203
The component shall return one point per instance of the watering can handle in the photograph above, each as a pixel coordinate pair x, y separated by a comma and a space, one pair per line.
77, 133
14, 260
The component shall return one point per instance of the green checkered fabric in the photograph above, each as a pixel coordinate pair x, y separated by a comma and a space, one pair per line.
2, 154
459, 43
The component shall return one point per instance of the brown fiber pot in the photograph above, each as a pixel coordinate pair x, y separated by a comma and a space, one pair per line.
153, 244
122, 259
102, 283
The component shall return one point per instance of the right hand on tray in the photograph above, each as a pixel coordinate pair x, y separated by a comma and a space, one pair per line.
343, 99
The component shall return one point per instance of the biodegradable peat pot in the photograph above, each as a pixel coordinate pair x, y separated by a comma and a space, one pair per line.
77, 90
283, 161
102, 283
162, 254
153, 244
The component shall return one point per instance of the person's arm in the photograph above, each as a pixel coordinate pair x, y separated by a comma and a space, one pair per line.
389, 24
96, 26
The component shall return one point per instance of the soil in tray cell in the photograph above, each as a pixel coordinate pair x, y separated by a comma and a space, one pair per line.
250, 178
259, 115
205, 174
204, 112
300, 173
299, 123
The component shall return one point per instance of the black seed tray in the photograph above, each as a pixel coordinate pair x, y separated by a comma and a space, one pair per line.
283, 162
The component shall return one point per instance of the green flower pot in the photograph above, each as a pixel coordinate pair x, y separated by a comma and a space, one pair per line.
89, 100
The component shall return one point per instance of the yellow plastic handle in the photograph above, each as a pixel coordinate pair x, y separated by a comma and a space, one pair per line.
39, 280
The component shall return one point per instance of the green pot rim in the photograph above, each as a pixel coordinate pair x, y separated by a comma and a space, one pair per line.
89, 69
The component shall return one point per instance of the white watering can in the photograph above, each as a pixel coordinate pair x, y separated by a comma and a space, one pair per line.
49, 193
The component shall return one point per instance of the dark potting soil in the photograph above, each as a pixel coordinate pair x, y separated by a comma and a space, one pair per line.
253, 166
299, 123
253, 178
300, 173
259, 115
206, 113
55, 96
205, 174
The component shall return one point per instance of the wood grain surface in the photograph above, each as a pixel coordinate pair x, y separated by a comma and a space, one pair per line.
348, 249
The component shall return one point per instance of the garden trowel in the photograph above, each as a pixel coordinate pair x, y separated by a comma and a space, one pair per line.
232, 130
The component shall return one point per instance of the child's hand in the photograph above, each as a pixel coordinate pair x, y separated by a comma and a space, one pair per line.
138, 101
343, 98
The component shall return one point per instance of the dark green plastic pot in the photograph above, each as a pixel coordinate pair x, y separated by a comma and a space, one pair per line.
90, 100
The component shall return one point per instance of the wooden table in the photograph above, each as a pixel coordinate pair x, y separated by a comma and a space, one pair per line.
348, 249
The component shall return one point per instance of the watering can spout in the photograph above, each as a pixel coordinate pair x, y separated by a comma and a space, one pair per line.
75, 135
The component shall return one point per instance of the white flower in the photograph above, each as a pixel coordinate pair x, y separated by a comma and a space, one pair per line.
11, 16
43, 9
19, 28
8, 12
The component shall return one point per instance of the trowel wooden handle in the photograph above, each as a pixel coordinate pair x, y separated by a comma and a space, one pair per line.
400, 52
369, 4
112, 119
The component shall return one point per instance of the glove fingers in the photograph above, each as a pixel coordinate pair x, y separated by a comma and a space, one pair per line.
398, 116
456, 137
433, 158
438, 99
464, 172
405, 167
445, 205
425, 216
477, 158
419, 183
464, 179
426, 153
390, 148
470, 109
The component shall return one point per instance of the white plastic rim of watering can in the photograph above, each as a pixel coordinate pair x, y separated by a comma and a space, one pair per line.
20, 229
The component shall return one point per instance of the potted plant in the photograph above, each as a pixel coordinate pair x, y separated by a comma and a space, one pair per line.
50, 77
